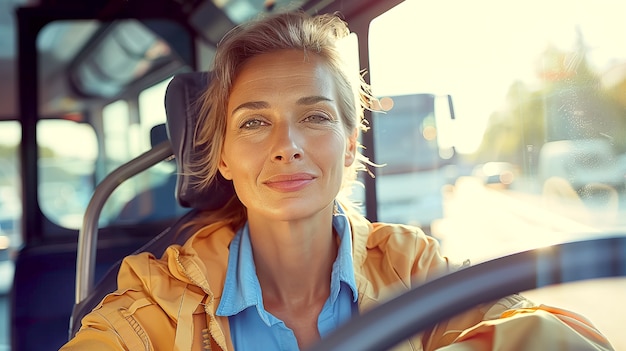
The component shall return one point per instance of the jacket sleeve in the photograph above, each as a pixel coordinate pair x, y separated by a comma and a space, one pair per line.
113, 324
514, 323
511, 323
111, 327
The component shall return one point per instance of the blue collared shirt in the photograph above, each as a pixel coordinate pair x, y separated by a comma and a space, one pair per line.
251, 326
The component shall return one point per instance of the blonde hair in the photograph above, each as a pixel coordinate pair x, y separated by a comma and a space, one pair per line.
320, 35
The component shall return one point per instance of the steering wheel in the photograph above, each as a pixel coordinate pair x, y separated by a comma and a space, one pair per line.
422, 307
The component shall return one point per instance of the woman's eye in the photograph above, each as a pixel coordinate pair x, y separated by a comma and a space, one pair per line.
253, 123
318, 118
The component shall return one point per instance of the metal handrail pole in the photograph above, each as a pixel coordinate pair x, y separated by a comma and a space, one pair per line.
88, 234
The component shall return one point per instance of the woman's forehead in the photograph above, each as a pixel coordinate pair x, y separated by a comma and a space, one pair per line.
285, 71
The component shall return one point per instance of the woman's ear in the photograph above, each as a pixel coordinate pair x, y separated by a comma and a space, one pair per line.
351, 146
224, 169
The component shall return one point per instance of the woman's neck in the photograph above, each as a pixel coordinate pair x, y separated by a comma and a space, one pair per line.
294, 259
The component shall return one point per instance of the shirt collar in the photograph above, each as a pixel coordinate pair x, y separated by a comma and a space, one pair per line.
343, 268
242, 288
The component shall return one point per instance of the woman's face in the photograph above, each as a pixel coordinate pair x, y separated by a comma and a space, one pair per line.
285, 146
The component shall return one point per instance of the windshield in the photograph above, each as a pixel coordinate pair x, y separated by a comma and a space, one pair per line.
533, 150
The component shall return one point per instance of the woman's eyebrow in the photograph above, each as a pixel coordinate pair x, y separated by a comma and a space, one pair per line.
251, 105
259, 105
312, 100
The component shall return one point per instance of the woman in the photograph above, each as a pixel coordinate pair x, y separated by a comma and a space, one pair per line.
288, 260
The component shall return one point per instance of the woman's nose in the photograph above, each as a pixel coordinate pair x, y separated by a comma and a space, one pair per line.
287, 142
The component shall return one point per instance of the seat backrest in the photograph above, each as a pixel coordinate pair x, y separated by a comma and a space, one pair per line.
182, 108
181, 105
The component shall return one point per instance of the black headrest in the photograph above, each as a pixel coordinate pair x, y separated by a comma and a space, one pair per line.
158, 134
181, 107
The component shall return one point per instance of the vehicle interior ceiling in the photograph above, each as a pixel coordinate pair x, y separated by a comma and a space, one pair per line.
76, 58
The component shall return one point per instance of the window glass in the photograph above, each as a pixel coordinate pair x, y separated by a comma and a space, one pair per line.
10, 201
151, 110
67, 157
149, 195
119, 146
67, 165
539, 128
114, 60
536, 151
115, 122
10, 217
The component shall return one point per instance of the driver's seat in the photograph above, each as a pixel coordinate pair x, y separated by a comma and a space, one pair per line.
181, 108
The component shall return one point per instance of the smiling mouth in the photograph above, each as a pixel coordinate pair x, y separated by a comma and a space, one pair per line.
289, 183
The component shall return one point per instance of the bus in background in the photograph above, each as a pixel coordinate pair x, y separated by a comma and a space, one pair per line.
410, 182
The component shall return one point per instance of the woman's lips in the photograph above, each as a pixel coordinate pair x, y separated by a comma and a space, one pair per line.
289, 182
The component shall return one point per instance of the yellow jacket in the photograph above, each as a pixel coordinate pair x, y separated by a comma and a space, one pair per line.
170, 303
